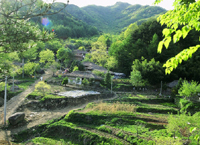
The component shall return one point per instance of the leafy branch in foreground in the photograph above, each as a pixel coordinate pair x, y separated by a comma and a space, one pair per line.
185, 14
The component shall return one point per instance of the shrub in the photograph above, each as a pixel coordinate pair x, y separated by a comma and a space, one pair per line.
189, 90
65, 81
168, 140
107, 80
85, 82
180, 125
42, 87
136, 79
98, 73
75, 68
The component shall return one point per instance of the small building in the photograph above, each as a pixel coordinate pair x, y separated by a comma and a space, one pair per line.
118, 75
76, 77
90, 66
79, 54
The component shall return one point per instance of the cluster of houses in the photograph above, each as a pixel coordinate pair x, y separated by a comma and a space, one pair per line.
76, 77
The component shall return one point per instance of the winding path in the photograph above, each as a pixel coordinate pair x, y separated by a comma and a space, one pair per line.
13, 104
35, 118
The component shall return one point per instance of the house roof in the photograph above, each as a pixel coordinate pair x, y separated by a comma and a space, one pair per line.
84, 74
93, 66
80, 52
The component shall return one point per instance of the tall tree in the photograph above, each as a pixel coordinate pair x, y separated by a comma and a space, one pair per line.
46, 57
65, 55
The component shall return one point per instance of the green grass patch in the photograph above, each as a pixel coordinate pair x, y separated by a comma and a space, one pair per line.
35, 94
49, 141
169, 104
26, 84
46, 97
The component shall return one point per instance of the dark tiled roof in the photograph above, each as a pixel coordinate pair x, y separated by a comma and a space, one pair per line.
93, 66
84, 74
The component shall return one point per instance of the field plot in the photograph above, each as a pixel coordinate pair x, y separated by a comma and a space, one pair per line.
116, 121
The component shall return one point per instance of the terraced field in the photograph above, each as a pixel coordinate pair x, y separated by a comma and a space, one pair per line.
128, 119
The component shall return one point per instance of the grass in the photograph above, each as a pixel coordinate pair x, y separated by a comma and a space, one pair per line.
25, 85
49, 141
35, 94
112, 107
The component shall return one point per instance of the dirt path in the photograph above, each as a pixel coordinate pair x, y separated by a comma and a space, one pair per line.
16, 101
34, 118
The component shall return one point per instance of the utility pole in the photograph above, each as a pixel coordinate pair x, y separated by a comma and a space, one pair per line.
111, 84
13, 83
5, 101
23, 67
161, 89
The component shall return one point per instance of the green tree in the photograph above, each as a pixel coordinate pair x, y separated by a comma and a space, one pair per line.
151, 71
111, 63
17, 32
30, 68
46, 57
107, 79
53, 45
136, 79
42, 87
131, 28
99, 53
65, 55
185, 14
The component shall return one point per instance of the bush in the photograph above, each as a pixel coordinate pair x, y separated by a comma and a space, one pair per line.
189, 90
107, 80
180, 125
42, 87
85, 82
75, 68
98, 73
65, 81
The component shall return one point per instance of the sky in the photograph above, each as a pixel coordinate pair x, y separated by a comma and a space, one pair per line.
166, 4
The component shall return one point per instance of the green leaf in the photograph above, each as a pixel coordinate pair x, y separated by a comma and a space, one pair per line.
196, 137
177, 36
185, 31
160, 46
167, 41
166, 32
192, 129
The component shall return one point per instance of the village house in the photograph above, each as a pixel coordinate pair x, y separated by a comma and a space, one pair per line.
76, 77
90, 66
79, 54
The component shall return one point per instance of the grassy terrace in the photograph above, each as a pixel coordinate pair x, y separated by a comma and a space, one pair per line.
109, 122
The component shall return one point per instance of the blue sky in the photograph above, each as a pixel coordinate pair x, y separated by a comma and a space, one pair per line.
167, 4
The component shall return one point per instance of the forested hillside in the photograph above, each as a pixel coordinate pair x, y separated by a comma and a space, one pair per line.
113, 19
65, 25
88, 21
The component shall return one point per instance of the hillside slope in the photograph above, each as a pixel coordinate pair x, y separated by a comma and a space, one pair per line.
113, 19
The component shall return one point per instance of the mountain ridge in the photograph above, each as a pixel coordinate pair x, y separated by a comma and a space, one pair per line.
112, 19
